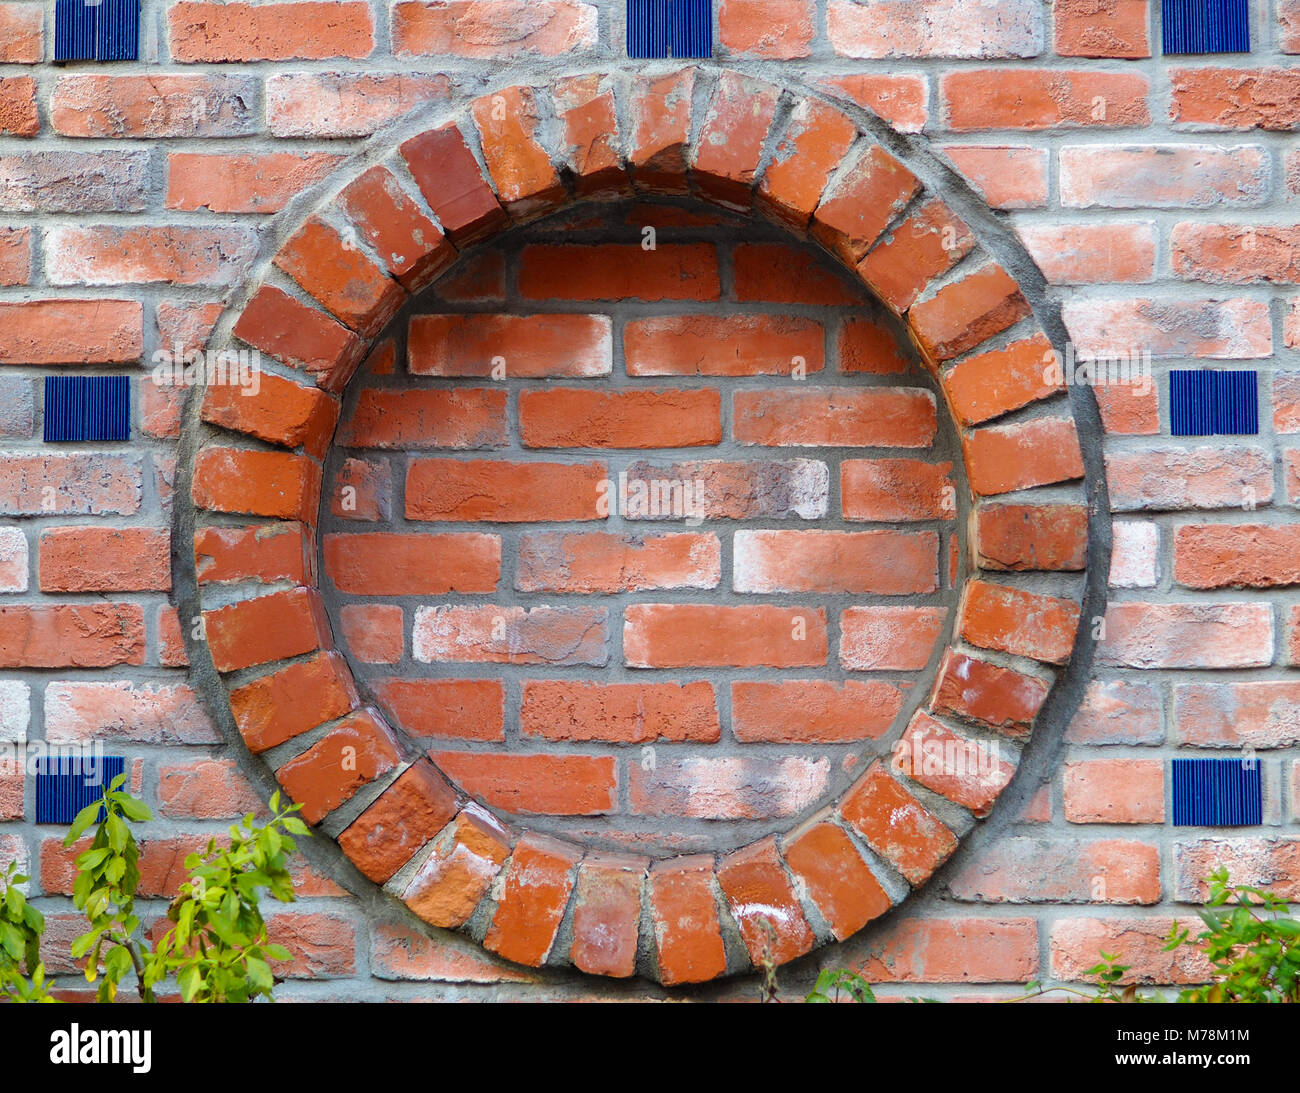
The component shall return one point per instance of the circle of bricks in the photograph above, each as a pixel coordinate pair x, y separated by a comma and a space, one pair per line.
523, 152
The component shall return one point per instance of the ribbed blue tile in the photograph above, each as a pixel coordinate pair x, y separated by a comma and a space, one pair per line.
118, 36
1205, 26
75, 26
66, 784
691, 28
87, 408
1213, 402
647, 28
1217, 793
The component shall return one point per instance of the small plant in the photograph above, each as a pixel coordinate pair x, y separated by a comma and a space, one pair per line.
216, 948
840, 985
1256, 957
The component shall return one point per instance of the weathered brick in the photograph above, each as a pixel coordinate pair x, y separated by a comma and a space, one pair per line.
1187, 635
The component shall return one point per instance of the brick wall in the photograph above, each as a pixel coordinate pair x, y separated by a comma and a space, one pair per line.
1155, 194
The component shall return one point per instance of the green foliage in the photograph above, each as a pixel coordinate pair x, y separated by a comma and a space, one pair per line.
216, 947
22, 975
840, 984
1256, 957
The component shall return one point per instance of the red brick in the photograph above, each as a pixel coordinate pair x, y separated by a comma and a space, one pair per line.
1236, 555
162, 865
1129, 410
22, 34
606, 915
345, 104
97, 635
771, 29
935, 28
836, 417
590, 562
619, 271
747, 788
570, 417
321, 946
450, 179
269, 32
341, 277
1116, 712
96, 559
689, 635
900, 100
18, 113
1260, 863
281, 412
509, 123
1042, 99
450, 489
955, 950
1236, 254
812, 711
1102, 28
1038, 537
660, 135
1022, 623
836, 878
867, 345
816, 139
1288, 17
731, 141
990, 384
896, 826
242, 183
510, 635
884, 562
1056, 870
381, 564
726, 345
177, 255
118, 710
785, 274
1135, 555
980, 691
208, 789
257, 483
301, 337
1189, 478
363, 490
71, 332
925, 245
374, 632
406, 815
277, 707
412, 248
266, 628
1081, 254
1230, 98
14, 560
538, 884
510, 346
1008, 177
683, 908
715, 489
1187, 635
456, 876
625, 713
155, 106
356, 751
265, 553
966, 771
896, 490
860, 205
15, 256
764, 904
1259, 714
968, 312
507, 29
1163, 176
171, 643
1115, 791
1005, 458
444, 709
463, 417
883, 639
160, 408
590, 146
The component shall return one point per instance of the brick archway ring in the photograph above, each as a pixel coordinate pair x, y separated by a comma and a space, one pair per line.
255, 488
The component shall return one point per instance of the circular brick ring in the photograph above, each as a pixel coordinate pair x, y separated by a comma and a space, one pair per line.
256, 485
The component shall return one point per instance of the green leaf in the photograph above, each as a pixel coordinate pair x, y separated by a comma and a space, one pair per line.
81, 822
189, 981
134, 810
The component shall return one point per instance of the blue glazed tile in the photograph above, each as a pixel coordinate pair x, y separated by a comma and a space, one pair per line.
1205, 26
87, 408
1217, 793
66, 784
